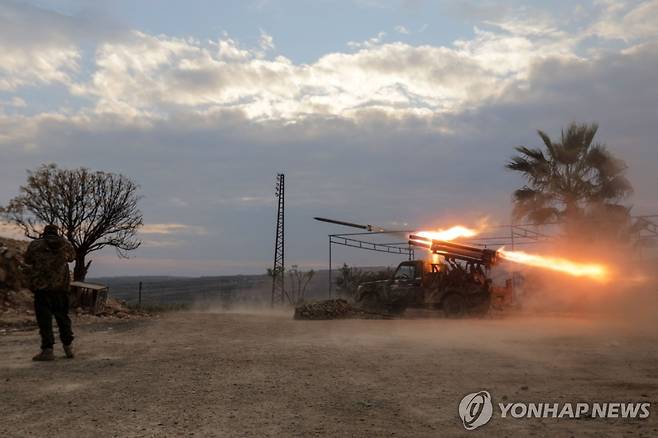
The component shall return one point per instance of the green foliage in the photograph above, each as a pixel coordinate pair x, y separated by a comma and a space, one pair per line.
573, 180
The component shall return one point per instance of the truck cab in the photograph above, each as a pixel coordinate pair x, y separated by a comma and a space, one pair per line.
457, 289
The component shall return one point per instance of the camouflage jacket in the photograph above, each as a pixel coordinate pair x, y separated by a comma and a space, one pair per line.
47, 261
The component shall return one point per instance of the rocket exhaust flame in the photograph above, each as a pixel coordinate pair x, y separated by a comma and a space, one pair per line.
453, 233
593, 271
432, 240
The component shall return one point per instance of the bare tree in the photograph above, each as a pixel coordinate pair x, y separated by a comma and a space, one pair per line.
349, 280
92, 209
298, 283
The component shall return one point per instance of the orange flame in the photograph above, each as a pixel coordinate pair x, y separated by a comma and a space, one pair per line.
590, 270
453, 233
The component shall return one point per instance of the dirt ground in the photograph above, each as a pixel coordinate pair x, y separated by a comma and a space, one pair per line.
214, 374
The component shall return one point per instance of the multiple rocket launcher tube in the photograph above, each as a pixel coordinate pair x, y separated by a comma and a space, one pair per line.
459, 251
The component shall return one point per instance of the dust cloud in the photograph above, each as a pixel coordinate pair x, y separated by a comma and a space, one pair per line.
627, 299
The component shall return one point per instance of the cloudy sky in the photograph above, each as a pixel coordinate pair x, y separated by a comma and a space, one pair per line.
384, 111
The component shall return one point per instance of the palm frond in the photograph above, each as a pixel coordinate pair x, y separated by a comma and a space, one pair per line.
616, 187
597, 156
564, 155
589, 133
520, 164
535, 154
547, 141
525, 194
604, 163
577, 139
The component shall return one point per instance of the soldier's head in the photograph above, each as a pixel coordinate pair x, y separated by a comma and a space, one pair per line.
50, 230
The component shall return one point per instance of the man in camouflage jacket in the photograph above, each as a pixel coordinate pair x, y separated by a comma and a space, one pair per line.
47, 260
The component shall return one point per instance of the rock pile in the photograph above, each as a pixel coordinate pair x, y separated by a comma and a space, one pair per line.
16, 302
115, 308
10, 261
19, 300
334, 309
328, 309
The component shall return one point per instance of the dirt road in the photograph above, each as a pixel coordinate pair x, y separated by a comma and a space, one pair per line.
211, 374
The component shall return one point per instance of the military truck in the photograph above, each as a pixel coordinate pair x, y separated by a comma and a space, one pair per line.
459, 284
458, 291
457, 280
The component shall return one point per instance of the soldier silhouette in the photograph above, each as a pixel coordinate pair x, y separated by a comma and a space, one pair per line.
47, 260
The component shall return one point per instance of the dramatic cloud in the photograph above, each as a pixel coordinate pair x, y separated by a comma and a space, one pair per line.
627, 20
172, 229
145, 74
36, 47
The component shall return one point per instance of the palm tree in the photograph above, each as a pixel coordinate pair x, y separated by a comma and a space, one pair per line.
572, 180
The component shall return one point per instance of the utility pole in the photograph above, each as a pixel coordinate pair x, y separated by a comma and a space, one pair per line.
278, 270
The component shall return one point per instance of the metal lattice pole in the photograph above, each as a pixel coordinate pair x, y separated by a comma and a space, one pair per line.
278, 270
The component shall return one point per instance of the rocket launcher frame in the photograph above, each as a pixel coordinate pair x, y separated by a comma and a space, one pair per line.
456, 251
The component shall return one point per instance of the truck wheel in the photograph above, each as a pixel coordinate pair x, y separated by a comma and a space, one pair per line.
482, 306
398, 308
454, 306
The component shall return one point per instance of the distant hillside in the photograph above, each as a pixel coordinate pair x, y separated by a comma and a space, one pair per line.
228, 288
184, 290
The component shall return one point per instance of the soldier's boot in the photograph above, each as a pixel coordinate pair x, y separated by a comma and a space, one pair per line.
68, 351
45, 355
